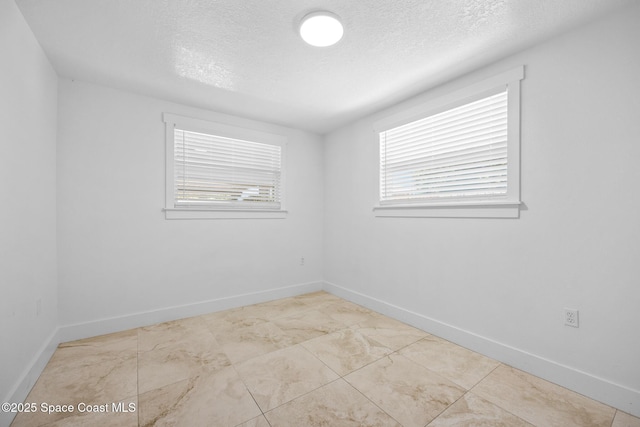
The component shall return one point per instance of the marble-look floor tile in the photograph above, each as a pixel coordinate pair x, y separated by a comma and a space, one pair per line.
308, 325
622, 419
223, 322
315, 299
93, 371
336, 404
270, 310
346, 350
462, 366
282, 307
347, 312
179, 358
540, 402
283, 375
91, 351
389, 332
411, 394
217, 399
247, 342
473, 411
167, 334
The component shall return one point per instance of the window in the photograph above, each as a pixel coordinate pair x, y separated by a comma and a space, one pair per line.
220, 171
457, 156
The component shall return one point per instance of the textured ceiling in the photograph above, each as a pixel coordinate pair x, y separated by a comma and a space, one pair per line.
244, 57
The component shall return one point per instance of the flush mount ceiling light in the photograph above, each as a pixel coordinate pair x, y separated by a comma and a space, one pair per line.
321, 29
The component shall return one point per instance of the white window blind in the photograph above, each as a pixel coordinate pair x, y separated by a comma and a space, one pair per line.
460, 153
221, 172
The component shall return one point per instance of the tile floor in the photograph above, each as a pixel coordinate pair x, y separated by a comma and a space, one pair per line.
311, 360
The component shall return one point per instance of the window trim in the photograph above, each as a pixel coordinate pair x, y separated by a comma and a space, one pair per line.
507, 207
220, 129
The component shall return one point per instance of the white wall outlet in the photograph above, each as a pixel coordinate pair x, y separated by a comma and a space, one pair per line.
571, 317
301, 261
38, 306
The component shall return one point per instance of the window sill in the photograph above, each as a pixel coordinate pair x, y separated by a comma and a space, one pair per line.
485, 209
185, 213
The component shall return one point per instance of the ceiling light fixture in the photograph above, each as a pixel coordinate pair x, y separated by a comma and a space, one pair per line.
321, 29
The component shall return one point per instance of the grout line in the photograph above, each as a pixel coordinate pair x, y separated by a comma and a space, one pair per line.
449, 406
248, 391
374, 403
485, 377
304, 394
471, 390
254, 399
421, 366
320, 360
267, 420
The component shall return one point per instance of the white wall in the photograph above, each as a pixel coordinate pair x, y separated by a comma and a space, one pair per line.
119, 256
28, 98
500, 285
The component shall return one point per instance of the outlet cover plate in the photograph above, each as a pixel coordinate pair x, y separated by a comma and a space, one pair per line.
571, 317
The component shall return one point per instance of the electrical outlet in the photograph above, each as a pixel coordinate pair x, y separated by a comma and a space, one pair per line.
38, 307
302, 261
571, 317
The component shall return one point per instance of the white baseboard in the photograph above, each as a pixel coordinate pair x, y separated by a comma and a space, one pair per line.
30, 375
122, 323
600, 389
